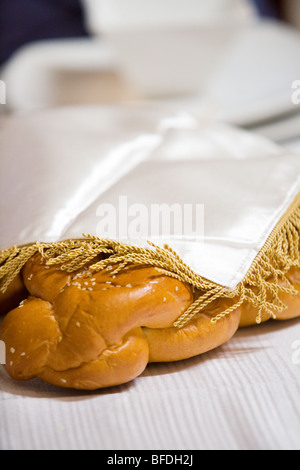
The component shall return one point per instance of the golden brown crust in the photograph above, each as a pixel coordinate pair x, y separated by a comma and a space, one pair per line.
29, 332
84, 331
116, 365
91, 330
196, 337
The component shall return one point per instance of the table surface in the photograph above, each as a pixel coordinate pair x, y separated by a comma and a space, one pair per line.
241, 396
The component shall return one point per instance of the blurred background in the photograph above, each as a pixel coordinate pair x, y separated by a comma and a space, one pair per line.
26, 21
232, 60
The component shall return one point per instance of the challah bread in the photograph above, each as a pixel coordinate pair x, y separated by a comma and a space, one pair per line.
196, 337
88, 331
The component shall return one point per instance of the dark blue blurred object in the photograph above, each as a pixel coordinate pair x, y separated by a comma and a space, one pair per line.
268, 8
24, 21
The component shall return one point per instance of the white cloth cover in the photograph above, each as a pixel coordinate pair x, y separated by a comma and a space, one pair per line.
56, 168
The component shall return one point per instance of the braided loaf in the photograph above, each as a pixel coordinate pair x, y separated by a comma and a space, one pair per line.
92, 330
88, 331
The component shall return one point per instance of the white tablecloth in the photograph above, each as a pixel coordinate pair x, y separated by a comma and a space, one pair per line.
242, 396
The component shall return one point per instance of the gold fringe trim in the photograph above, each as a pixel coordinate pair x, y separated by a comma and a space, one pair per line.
262, 286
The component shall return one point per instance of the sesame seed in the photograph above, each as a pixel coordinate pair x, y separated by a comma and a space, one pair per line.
30, 277
165, 299
12, 350
177, 288
63, 381
78, 324
108, 282
90, 288
23, 354
86, 283
129, 285
11, 363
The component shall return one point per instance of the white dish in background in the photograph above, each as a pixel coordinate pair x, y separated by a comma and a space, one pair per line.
255, 81
108, 15
168, 47
281, 130
253, 84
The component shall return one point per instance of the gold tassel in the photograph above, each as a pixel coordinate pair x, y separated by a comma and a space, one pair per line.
261, 286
